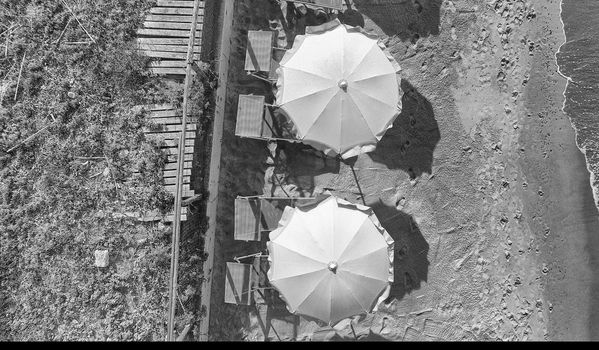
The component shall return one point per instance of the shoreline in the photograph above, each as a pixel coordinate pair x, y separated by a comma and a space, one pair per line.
595, 189
565, 218
578, 317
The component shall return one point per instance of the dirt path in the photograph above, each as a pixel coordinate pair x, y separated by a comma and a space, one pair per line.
226, 20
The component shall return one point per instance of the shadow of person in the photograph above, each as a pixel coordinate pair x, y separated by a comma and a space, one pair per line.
302, 163
408, 19
410, 261
410, 143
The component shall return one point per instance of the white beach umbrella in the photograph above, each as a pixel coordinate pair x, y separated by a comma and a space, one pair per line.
330, 261
340, 88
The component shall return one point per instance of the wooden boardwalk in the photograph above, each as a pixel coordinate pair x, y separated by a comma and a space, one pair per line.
168, 121
165, 37
172, 35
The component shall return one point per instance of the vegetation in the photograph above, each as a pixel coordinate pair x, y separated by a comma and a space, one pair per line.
71, 188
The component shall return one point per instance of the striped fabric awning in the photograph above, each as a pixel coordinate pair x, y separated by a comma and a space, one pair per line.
254, 215
259, 51
250, 112
238, 283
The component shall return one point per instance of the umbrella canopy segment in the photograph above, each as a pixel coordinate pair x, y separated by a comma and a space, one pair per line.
330, 261
339, 87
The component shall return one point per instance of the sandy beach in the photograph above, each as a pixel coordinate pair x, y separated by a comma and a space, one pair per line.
479, 182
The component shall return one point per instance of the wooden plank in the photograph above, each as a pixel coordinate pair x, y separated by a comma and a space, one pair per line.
173, 166
170, 18
173, 180
168, 64
166, 113
175, 143
167, 128
171, 25
179, 190
173, 120
165, 32
168, 48
167, 120
173, 158
179, 3
159, 107
160, 54
166, 55
175, 151
171, 218
173, 135
156, 215
175, 11
173, 173
167, 41
170, 127
171, 188
168, 71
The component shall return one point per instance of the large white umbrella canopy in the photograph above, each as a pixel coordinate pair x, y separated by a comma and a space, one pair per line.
330, 261
340, 88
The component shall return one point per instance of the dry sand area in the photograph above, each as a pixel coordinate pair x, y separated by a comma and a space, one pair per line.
479, 181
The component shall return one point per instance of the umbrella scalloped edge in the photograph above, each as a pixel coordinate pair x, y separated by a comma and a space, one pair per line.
286, 217
314, 30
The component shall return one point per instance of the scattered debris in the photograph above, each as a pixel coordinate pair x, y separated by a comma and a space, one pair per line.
101, 258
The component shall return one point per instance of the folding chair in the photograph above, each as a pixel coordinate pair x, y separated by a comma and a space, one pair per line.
258, 56
243, 280
255, 119
239, 281
255, 215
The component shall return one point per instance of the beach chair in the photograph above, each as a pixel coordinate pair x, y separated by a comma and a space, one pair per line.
239, 281
255, 215
259, 61
247, 283
255, 119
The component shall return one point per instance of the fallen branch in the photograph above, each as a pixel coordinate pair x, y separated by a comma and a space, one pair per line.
63, 31
78, 43
190, 200
19, 78
183, 334
77, 19
10, 29
32, 136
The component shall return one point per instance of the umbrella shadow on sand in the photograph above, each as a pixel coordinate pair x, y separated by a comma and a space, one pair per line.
408, 19
410, 261
410, 143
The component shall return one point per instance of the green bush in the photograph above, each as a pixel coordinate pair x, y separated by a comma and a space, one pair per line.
61, 192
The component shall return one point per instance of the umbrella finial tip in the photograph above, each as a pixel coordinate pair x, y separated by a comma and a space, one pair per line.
343, 84
332, 266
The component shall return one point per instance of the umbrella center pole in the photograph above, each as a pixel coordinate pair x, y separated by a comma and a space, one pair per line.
343, 84
332, 266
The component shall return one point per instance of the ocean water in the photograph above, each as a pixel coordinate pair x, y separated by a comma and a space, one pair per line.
578, 62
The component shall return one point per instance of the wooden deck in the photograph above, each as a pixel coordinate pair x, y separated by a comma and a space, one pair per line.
165, 36
167, 129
